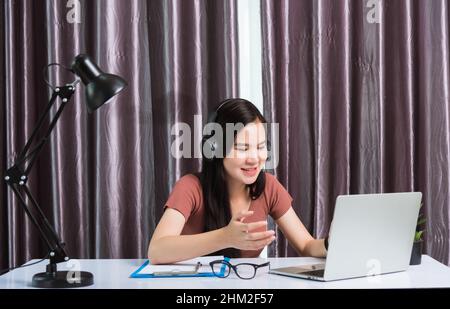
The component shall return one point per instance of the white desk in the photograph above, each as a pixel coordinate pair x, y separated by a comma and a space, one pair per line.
114, 274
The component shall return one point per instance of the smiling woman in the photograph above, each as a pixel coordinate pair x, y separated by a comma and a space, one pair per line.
223, 210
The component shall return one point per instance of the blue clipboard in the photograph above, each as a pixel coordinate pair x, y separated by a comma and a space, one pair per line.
137, 274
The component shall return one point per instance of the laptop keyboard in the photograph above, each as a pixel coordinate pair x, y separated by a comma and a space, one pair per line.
315, 273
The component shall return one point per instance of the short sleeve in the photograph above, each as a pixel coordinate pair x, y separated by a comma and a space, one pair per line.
185, 196
279, 198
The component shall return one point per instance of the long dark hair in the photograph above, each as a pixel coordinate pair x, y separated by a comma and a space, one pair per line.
213, 175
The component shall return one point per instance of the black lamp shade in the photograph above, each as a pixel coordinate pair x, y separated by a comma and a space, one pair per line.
100, 87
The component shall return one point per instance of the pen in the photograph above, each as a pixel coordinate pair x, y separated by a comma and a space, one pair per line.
197, 266
178, 272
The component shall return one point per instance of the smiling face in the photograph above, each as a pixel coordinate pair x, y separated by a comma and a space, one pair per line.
248, 154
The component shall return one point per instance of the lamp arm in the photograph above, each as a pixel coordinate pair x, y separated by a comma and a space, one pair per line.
56, 247
17, 175
36, 129
65, 93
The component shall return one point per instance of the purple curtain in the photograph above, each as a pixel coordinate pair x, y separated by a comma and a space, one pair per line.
103, 177
367, 105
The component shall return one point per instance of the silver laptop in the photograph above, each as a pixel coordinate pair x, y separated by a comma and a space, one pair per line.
370, 234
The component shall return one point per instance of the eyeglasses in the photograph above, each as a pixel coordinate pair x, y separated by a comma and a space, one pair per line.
222, 269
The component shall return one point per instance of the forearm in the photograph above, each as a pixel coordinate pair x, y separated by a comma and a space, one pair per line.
171, 249
315, 248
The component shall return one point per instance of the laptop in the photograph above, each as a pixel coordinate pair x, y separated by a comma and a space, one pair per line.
371, 234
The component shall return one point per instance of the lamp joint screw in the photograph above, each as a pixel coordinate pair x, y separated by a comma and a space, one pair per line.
23, 177
6, 178
52, 253
57, 90
64, 100
21, 182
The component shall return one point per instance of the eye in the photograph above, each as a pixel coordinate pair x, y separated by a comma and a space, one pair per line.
240, 148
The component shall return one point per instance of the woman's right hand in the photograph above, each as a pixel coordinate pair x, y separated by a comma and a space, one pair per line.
239, 234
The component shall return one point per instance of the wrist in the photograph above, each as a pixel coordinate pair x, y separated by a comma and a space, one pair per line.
222, 238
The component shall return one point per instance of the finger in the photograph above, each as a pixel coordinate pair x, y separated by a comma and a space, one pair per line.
260, 235
242, 215
258, 244
255, 225
265, 242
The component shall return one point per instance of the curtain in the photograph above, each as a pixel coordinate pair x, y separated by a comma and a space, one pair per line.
367, 104
103, 177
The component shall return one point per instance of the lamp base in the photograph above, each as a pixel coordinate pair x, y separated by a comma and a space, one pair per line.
63, 279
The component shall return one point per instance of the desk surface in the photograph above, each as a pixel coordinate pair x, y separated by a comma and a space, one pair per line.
114, 274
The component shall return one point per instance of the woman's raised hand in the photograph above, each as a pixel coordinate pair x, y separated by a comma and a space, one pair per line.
239, 234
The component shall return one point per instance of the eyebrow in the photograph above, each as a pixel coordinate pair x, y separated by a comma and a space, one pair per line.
242, 144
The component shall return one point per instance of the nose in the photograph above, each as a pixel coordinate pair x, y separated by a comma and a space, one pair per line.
252, 156
251, 161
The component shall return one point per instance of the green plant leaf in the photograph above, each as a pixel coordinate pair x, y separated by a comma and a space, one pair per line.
418, 236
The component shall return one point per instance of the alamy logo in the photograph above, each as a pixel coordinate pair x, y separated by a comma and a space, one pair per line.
188, 145
373, 270
73, 15
374, 14
73, 276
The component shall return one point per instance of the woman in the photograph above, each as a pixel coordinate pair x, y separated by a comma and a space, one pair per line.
224, 209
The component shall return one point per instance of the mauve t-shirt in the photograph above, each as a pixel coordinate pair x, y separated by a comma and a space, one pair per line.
187, 198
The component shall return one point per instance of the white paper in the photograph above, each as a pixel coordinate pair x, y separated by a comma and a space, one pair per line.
188, 265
